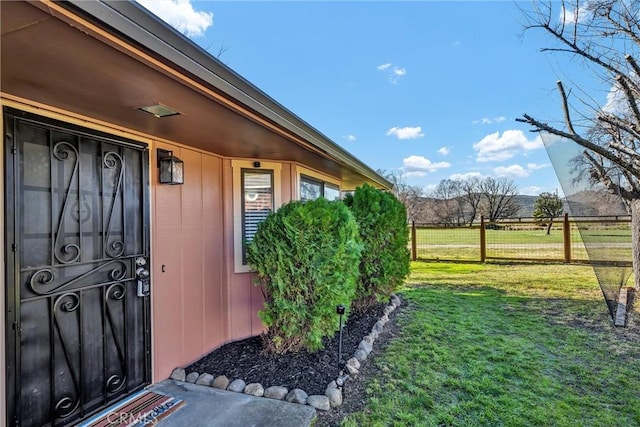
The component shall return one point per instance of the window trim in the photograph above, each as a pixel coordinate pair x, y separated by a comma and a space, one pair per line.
315, 176
311, 180
333, 187
238, 230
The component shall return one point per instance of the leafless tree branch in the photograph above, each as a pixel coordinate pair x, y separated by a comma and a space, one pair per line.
541, 126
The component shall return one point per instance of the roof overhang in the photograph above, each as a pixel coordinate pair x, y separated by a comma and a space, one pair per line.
106, 59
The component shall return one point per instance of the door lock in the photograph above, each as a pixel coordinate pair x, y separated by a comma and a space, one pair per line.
144, 285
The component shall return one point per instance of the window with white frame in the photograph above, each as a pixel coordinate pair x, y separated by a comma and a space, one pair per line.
256, 193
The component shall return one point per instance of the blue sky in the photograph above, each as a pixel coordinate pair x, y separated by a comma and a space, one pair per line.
431, 89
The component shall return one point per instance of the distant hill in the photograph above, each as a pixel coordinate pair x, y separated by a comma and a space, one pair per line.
584, 203
595, 203
526, 205
432, 210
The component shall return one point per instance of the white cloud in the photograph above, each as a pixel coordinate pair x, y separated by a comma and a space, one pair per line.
407, 132
575, 16
393, 72
489, 120
456, 43
517, 171
444, 150
181, 15
350, 138
535, 166
429, 188
399, 71
465, 176
513, 171
420, 166
532, 190
496, 147
616, 101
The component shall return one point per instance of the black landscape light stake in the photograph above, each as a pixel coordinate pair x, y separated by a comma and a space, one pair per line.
340, 310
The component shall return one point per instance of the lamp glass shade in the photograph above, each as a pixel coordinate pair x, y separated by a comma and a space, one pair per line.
171, 170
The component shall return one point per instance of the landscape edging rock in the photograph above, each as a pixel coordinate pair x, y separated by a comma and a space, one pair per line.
352, 367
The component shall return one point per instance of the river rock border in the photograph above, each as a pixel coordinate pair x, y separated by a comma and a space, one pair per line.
332, 397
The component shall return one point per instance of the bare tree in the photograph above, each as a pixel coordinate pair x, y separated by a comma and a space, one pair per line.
449, 209
471, 194
499, 198
605, 35
460, 201
410, 195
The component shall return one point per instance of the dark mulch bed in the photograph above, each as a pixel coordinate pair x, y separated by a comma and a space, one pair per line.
311, 372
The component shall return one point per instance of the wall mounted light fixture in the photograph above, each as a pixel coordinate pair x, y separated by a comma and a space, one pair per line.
171, 167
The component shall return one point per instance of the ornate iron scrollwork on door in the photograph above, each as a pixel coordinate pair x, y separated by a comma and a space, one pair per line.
66, 253
67, 304
43, 281
77, 211
114, 247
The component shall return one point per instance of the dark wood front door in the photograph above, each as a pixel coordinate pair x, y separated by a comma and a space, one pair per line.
77, 241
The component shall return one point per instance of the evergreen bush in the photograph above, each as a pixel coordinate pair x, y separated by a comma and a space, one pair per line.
306, 257
384, 264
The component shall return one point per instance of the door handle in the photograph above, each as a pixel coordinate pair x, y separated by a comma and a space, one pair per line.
142, 273
143, 281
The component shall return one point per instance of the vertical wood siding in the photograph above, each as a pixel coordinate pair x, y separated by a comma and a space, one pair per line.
189, 309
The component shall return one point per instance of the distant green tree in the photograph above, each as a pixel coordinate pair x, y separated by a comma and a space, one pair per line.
548, 205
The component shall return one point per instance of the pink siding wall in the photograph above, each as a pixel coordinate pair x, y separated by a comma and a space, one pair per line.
245, 298
215, 307
166, 292
188, 310
199, 303
241, 314
240, 287
192, 257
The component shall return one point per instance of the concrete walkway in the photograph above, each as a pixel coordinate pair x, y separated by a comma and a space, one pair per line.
210, 407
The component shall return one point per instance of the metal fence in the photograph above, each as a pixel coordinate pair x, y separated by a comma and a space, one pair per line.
570, 240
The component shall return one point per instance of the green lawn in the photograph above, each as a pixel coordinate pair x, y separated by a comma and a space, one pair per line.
496, 345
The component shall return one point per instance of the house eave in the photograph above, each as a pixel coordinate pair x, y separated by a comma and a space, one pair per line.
149, 32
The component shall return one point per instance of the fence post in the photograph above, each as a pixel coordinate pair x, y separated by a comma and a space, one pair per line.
414, 246
483, 241
566, 230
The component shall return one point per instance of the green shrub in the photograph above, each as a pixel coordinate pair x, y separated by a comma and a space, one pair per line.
306, 256
382, 220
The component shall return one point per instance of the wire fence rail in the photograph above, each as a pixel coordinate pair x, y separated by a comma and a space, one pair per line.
605, 240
